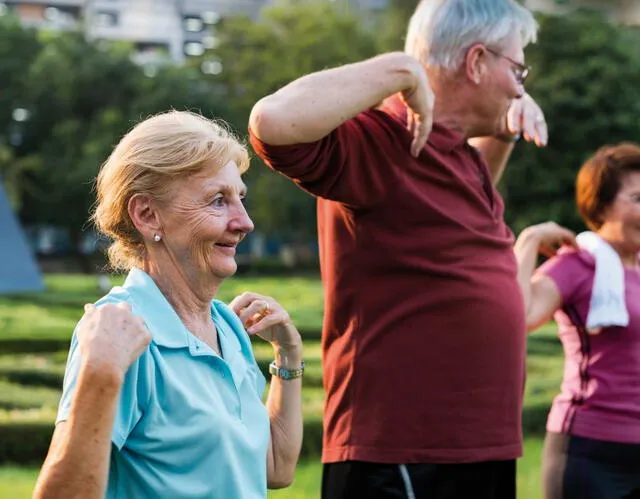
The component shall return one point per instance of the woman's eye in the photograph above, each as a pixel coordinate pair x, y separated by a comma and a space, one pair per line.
218, 201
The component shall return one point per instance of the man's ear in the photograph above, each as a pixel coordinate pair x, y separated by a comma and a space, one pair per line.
475, 63
144, 215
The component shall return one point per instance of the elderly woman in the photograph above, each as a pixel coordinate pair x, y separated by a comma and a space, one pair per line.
162, 393
592, 449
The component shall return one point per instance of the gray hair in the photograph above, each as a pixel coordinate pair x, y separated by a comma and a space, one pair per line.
440, 31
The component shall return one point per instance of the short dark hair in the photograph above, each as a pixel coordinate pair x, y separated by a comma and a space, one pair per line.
600, 178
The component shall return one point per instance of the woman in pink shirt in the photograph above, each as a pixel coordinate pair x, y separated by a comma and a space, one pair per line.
592, 447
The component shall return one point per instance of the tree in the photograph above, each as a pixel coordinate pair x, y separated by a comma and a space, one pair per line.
78, 94
393, 24
585, 78
18, 48
258, 57
84, 96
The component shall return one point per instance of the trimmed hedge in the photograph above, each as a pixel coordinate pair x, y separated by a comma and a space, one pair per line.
34, 345
51, 345
32, 377
27, 443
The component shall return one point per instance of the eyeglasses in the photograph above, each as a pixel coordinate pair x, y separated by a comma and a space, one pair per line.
520, 71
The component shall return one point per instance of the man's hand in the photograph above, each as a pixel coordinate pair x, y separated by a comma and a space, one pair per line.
525, 117
419, 100
111, 338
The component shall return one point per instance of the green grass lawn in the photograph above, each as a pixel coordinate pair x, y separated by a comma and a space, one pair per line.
17, 483
30, 383
55, 312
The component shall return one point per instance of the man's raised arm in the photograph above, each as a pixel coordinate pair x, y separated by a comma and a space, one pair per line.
311, 107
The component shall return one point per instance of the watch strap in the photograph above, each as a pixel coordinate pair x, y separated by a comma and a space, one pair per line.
508, 138
283, 373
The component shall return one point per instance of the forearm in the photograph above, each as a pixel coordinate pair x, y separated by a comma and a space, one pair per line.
311, 107
526, 250
78, 463
495, 152
284, 405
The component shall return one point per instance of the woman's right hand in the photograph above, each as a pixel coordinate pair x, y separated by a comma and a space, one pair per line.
550, 237
111, 338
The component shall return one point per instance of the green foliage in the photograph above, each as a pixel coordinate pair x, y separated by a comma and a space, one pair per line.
14, 396
81, 97
585, 79
40, 370
25, 442
393, 25
25, 430
18, 48
259, 57
17, 483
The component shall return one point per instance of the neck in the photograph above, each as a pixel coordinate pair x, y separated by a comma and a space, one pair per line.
451, 107
190, 297
628, 255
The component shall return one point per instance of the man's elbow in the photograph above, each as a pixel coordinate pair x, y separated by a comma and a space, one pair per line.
265, 122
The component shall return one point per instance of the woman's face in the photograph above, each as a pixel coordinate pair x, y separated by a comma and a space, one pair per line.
622, 218
205, 220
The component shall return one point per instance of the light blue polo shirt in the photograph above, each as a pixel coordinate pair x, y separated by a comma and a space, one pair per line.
189, 424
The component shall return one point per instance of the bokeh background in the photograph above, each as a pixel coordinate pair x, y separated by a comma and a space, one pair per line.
75, 75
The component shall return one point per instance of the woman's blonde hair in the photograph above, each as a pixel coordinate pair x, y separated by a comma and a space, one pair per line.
148, 158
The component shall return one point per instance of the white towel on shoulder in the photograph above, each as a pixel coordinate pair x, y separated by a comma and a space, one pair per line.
608, 305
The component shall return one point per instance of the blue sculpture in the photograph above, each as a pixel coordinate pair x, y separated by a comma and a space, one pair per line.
18, 269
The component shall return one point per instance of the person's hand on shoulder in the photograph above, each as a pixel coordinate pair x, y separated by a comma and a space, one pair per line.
111, 338
264, 316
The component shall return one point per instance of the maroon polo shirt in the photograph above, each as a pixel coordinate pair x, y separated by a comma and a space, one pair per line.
423, 336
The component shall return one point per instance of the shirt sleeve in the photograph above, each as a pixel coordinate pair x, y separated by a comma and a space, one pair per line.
351, 165
570, 270
131, 399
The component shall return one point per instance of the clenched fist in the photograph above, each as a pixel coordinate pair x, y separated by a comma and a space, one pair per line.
111, 338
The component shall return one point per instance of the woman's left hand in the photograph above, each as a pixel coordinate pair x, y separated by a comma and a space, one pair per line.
264, 316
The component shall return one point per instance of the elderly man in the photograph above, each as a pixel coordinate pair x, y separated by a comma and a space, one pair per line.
424, 335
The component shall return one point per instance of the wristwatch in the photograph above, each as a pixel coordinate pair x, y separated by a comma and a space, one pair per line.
508, 137
283, 373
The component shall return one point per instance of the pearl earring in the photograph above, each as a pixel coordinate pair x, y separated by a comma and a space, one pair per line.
157, 237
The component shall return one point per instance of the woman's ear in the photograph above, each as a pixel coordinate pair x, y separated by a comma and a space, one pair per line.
144, 215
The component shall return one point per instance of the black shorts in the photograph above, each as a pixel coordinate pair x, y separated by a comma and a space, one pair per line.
353, 479
584, 468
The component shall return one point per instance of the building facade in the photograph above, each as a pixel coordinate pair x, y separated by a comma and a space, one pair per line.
160, 30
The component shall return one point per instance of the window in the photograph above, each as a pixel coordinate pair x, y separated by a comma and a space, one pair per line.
193, 49
210, 42
106, 19
193, 24
210, 17
211, 67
